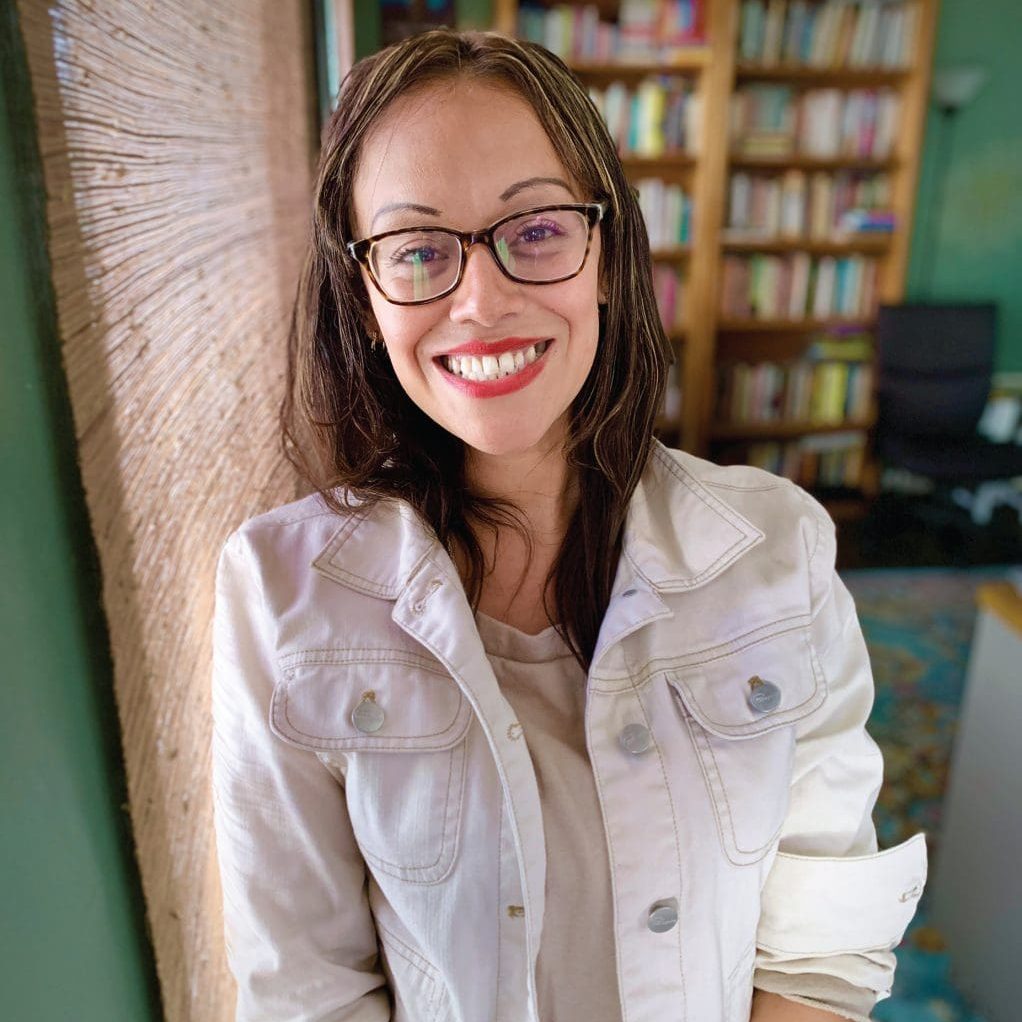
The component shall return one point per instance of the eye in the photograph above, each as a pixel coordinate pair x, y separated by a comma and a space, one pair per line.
539, 230
417, 254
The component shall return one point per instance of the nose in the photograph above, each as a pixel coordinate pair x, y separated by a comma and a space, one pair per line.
485, 295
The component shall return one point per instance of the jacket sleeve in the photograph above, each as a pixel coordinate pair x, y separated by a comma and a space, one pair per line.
834, 907
299, 934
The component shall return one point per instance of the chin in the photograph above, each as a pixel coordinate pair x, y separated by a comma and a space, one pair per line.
507, 442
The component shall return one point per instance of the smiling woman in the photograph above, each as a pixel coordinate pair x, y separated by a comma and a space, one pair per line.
521, 715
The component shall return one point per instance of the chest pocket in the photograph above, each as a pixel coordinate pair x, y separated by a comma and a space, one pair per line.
393, 729
740, 710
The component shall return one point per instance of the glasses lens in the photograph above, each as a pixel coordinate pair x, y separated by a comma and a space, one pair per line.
543, 245
415, 266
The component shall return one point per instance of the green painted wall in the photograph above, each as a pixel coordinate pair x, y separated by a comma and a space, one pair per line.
467, 13
979, 245
73, 946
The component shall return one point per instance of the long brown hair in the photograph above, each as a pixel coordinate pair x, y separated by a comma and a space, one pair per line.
347, 425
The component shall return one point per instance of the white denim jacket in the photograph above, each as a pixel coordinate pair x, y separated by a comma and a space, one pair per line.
378, 821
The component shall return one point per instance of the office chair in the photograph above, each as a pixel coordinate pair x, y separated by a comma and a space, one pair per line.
934, 365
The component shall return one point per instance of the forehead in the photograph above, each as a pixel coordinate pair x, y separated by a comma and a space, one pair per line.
454, 147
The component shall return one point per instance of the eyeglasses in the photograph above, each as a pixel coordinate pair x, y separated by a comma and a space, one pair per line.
543, 245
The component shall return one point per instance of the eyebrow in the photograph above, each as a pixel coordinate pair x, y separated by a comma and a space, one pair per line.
508, 193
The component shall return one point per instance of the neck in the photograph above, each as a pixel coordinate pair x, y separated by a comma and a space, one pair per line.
539, 482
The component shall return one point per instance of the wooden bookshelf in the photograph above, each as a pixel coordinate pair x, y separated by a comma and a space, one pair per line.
867, 245
842, 77
717, 74
781, 428
808, 163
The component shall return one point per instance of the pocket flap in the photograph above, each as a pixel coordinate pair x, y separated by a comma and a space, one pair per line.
716, 692
423, 709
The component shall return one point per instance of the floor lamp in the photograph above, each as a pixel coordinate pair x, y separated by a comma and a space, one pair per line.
952, 89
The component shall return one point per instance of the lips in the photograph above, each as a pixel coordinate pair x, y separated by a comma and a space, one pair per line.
479, 347
499, 383
493, 367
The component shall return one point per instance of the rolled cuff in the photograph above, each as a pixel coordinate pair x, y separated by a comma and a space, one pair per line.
828, 926
822, 905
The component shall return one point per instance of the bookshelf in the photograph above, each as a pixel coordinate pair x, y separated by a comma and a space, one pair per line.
801, 135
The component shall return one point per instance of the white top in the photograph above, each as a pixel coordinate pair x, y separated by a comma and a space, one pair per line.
576, 973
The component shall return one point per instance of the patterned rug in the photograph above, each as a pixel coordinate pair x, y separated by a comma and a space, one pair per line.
918, 625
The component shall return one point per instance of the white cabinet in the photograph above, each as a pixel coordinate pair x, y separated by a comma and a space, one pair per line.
977, 893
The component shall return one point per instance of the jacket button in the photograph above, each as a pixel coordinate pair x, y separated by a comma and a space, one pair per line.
664, 916
367, 716
636, 739
765, 695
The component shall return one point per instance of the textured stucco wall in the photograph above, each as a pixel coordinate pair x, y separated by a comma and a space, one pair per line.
177, 141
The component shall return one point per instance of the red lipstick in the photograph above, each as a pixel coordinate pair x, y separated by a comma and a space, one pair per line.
499, 387
479, 347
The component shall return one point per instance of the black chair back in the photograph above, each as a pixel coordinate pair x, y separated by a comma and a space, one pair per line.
934, 367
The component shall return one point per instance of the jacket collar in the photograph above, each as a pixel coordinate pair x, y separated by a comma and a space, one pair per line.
678, 535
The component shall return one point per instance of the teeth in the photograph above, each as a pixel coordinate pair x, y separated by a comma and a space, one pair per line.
492, 367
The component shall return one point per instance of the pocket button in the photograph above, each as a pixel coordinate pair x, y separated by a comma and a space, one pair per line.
765, 695
636, 739
368, 717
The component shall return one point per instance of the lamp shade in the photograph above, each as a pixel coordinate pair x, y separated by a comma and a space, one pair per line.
954, 87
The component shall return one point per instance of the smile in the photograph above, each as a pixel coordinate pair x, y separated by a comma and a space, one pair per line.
481, 369
486, 376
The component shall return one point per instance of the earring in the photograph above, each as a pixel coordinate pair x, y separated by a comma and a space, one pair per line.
374, 338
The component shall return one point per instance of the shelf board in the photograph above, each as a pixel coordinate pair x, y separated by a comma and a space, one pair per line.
672, 254
870, 244
669, 161
689, 61
790, 325
755, 430
798, 162
846, 509
851, 76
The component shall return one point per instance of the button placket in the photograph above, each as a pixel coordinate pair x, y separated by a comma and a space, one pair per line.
635, 739
663, 916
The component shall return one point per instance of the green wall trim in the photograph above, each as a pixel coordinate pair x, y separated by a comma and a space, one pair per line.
73, 942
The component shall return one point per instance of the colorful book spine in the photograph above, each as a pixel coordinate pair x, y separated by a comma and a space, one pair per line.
825, 123
831, 383
652, 120
798, 286
667, 212
833, 34
653, 31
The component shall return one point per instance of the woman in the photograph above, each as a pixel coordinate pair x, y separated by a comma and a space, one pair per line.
522, 716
